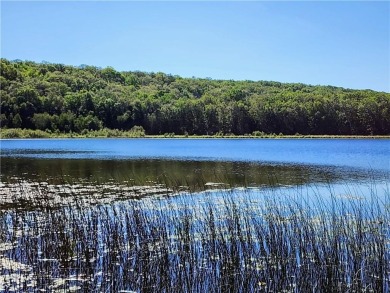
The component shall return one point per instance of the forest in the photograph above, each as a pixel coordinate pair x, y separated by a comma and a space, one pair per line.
57, 98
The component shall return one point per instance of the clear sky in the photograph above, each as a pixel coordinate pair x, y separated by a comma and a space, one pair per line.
329, 43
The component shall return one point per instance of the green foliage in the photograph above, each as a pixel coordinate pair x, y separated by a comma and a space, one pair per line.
137, 131
17, 121
88, 122
85, 99
258, 133
44, 121
23, 133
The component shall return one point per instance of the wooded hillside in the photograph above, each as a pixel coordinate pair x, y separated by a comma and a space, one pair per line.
60, 98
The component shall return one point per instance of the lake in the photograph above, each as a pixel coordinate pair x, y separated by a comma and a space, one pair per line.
194, 215
194, 164
354, 153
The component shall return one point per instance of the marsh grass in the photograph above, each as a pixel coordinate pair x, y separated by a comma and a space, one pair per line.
216, 241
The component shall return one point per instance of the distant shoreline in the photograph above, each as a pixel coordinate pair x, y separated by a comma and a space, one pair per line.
38, 134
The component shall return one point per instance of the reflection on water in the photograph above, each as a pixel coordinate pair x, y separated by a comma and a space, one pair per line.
108, 180
193, 174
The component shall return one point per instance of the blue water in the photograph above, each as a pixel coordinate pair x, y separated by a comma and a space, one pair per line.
353, 153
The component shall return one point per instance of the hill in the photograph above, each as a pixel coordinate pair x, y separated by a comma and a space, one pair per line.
63, 99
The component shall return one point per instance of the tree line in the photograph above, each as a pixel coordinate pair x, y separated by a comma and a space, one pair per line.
61, 98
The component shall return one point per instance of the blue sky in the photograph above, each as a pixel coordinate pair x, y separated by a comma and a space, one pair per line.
329, 43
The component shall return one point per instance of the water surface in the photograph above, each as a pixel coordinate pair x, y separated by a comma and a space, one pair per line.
194, 215
370, 154
135, 168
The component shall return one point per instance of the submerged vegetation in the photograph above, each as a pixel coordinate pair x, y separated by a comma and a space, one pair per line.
219, 241
57, 100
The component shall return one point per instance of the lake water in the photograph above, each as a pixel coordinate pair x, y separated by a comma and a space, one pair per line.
195, 215
143, 167
353, 153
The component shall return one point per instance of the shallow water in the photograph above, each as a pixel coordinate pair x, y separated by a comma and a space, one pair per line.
183, 215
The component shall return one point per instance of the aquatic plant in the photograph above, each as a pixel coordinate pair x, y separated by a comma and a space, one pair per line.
217, 241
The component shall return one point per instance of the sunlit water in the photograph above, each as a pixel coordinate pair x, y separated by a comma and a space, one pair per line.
113, 214
104, 166
354, 153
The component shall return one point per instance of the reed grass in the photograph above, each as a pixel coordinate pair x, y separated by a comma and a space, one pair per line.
222, 241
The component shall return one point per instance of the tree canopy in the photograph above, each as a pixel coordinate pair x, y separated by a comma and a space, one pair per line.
57, 97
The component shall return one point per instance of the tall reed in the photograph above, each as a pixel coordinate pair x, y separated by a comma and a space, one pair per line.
223, 241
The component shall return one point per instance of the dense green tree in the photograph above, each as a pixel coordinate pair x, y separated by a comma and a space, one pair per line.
17, 121
88, 122
42, 121
3, 121
66, 122
8, 70
65, 98
110, 75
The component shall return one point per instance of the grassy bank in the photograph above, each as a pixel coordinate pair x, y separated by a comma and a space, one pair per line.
115, 133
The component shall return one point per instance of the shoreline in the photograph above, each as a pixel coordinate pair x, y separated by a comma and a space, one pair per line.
37, 134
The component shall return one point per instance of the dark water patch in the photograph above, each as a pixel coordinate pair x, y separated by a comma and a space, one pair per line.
172, 173
17, 153
34, 183
47, 153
